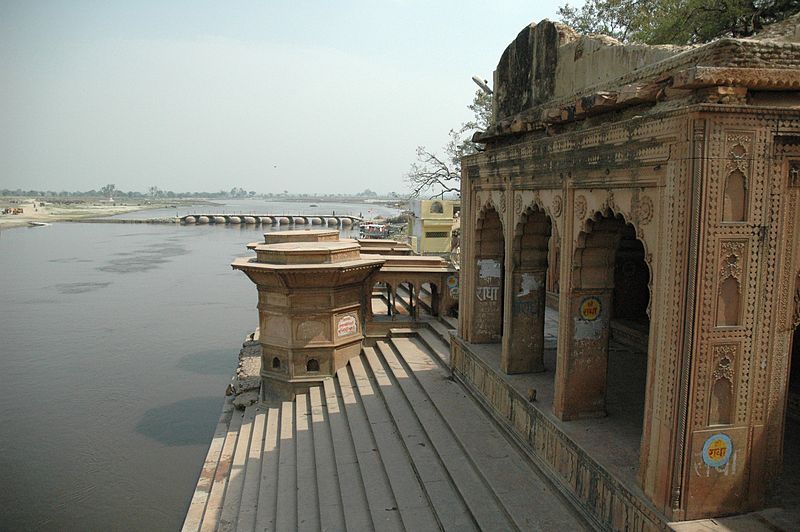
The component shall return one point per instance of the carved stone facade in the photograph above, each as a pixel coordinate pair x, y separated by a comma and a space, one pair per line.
310, 306
671, 192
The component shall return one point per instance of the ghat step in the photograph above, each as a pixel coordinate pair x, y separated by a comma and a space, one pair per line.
390, 443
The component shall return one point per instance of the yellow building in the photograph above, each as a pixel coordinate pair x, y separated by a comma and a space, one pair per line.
431, 225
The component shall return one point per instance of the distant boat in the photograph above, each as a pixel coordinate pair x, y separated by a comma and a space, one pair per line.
313, 205
38, 224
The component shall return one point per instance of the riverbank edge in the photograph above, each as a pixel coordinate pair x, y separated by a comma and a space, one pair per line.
98, 215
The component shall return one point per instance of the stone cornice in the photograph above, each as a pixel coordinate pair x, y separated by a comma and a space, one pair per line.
751, 78
734, 65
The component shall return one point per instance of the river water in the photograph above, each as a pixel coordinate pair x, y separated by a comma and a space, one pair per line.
116, 344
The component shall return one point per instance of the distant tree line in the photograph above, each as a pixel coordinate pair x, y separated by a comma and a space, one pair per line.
110, 191
676, 21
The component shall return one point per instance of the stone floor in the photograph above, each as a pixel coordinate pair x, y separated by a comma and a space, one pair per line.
391, 443
613, 440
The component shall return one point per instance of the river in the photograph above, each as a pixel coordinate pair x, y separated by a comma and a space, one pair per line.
116, 344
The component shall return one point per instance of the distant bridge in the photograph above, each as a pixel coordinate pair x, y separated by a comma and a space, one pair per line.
272, 219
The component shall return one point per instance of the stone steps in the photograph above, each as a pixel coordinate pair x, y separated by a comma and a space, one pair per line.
436, 344
331, 510
197, 507
390, 443
286, 508
233, 492
476, 495
526, 497
249, 501
266, 511
382, 504
216, 496
445, 501
409, 496
441, 330
354, 498
450, 321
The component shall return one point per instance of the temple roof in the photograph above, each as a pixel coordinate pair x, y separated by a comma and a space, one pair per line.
550, 74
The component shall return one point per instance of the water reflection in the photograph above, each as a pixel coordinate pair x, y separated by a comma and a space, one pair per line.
181, 423
144, 259
210, 362
78, 288
67, 260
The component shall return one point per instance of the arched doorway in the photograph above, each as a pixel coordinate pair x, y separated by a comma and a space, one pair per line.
525, 352
609, 281
487, 316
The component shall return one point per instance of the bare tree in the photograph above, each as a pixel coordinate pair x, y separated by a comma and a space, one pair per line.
435, 175
108, 190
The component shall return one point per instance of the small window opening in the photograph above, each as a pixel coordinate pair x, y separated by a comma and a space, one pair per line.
312, 365
276, 363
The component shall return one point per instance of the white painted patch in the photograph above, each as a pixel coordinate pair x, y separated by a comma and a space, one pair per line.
530, 283
588, 330
489, 269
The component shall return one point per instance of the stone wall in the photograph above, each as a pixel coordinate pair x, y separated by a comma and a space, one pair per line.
602, 499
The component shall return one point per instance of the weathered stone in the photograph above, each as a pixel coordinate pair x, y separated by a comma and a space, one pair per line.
310, 307
245, 399
525, 76
655, 193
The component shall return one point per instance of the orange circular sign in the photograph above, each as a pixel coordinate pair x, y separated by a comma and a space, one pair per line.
591, 308
717, 450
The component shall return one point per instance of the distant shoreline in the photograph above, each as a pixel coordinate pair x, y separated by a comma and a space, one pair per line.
34, 210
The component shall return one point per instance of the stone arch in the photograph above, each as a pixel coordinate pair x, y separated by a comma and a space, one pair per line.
721, 404
588, 225
529, 264
596, 297
312, 365
489, 245
487, 199
553, 210
405, 292
729, 284
437, 207
384, 290
430, 294
734, 204
728, 302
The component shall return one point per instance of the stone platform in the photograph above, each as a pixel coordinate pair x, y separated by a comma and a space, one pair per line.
392, 442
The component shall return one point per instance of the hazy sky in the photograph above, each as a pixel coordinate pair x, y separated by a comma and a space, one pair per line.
270, 95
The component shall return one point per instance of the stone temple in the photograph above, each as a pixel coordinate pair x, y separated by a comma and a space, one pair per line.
626, 354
